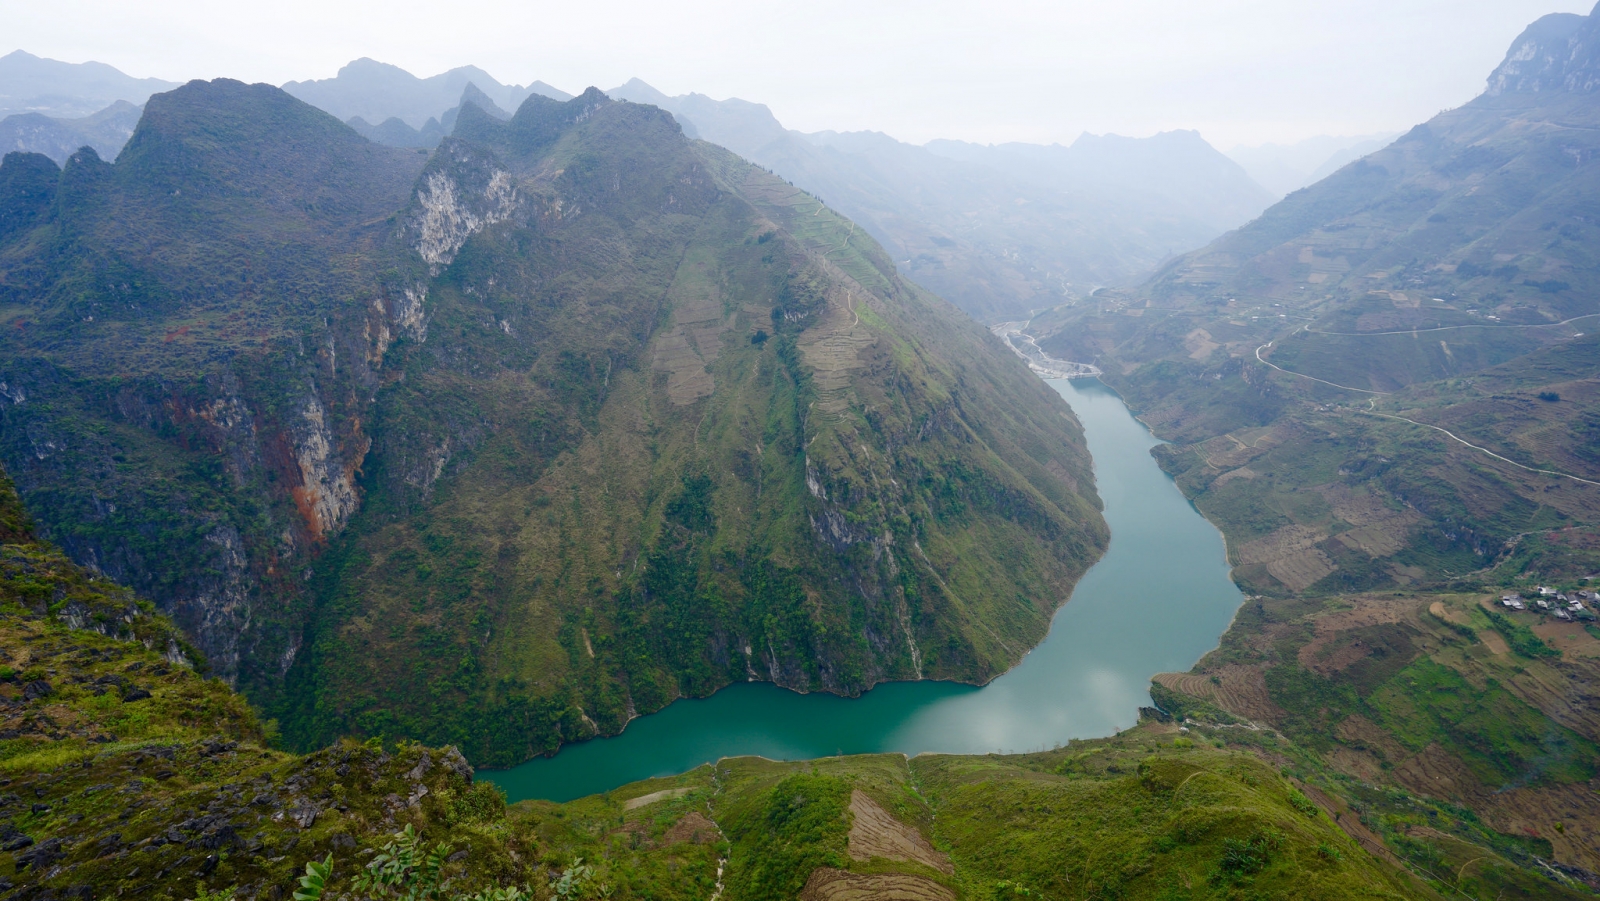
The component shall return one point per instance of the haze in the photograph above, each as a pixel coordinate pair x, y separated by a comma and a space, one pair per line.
1240, 71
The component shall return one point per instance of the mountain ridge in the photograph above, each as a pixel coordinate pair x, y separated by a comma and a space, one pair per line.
58, 138
377, 91
68, 90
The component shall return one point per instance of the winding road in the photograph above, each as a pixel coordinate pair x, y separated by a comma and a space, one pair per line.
1371, 412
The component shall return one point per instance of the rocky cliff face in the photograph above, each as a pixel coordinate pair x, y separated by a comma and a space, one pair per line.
182, 401
1558, 54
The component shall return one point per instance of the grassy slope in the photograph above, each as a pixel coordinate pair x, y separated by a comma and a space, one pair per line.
127, 772
1452, 732
1139, 816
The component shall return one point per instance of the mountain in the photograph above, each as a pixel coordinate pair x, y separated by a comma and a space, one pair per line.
106, 131
999, 231
1175, 172
378, 91
508, 443
1555, 55
1396, 290
396, 133
1284, 168
31, 84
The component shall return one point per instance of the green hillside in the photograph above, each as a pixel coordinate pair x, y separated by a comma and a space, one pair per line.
507, 444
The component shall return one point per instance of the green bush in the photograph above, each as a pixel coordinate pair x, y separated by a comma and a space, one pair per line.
484, 802
1242, 858
1302, 803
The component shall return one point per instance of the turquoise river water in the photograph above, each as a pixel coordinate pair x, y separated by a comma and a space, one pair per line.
1156, 602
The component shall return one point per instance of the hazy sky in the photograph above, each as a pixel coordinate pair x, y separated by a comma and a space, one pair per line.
1240, 71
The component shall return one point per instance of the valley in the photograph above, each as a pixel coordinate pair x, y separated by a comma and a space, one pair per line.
447, 489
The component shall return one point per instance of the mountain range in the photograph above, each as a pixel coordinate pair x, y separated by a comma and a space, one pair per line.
565, 419
378, 91
58, 138
1398, 285
511, 436
30, 84
1000, 231
1286, 168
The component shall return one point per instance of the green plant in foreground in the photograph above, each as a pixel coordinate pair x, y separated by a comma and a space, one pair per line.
1005, 888
576, 883
313, 882
405, 868
504, 893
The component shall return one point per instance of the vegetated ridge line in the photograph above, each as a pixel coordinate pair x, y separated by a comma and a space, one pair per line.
1311, 377
1548, 472
1445, 328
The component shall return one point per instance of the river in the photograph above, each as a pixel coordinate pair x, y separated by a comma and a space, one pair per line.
1157, 601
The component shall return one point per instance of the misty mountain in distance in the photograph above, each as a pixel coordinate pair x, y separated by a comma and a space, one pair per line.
1174, 169
1286, 168
105, 131
396, 133
378, 91
31, 84
999, 231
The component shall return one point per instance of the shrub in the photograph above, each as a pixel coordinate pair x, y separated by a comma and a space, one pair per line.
1242, 858
787, 833
1302, 803
484, 802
